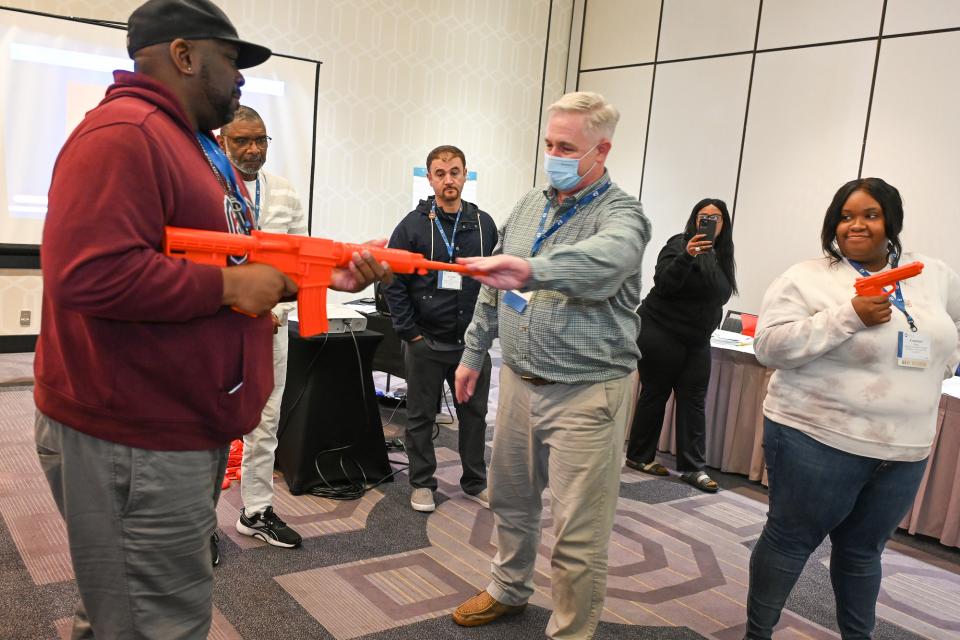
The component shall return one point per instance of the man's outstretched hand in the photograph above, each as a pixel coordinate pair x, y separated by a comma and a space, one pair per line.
499, 272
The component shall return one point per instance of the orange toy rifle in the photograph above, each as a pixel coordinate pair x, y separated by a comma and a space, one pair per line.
307, 261
874, 285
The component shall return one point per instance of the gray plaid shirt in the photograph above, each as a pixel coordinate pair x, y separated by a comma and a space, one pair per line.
580, 325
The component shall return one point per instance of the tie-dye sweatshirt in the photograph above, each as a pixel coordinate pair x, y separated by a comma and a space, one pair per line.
838, 380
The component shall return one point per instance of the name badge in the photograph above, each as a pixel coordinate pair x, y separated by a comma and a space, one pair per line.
516, 300
450, 281
913, 350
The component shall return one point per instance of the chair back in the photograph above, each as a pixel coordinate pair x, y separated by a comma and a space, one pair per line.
740, 322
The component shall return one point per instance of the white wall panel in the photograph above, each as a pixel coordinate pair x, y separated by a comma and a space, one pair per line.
694, 143
905, 16
618, 32
629, 91
914, 136
573, 45
689, 27
555, 78
786, 23
804, 134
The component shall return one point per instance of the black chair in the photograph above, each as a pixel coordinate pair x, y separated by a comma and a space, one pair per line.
739, 322
380, 300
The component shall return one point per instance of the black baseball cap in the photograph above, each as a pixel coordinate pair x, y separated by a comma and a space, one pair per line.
157, 21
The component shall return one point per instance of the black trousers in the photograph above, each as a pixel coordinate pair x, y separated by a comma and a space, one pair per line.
670, 365
426, 371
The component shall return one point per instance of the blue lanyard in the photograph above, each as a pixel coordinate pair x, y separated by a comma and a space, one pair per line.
224, 172
563, 219
256, 205
443, 234
896, 298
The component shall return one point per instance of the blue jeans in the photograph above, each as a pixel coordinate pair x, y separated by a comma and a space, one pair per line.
815, 491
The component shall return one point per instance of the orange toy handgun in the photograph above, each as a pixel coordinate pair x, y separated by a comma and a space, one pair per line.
307, 261
874, 285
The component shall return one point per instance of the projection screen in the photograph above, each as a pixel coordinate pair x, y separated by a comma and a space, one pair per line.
55, 69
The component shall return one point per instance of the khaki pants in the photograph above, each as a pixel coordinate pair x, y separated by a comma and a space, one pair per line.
260, 445
569, 437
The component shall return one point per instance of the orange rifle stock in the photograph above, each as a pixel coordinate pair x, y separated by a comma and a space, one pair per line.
875, 285
307, 261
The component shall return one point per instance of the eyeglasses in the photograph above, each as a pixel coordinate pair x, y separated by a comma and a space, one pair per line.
262, 142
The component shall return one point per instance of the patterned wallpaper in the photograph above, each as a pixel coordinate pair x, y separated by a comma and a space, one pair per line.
400, 77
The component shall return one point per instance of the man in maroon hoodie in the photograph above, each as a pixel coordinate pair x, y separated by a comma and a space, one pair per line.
143, 372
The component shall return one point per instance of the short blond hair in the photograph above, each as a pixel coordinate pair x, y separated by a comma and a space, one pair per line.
602, 117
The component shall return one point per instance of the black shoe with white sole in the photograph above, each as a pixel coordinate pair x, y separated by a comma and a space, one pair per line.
268, 527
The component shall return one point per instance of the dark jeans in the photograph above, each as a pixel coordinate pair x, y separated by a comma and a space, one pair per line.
815, 491
426, 371
666, 365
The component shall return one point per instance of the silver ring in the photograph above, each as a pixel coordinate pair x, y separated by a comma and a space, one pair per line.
697, 249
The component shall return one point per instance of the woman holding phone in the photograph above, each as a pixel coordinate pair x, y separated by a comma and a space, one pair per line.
694, 278
848, 419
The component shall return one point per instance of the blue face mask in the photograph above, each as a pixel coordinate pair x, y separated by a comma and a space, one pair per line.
562, 172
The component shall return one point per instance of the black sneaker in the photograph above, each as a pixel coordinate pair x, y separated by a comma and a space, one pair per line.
215, 548
268, 527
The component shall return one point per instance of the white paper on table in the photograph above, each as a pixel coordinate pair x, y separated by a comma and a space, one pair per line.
951, 386
731, 340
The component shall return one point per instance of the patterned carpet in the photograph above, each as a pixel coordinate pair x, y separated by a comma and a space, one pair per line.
374, 569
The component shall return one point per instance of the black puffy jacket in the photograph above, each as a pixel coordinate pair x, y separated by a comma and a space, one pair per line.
417, 306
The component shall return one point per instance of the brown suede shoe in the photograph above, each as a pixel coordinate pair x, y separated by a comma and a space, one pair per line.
483, 608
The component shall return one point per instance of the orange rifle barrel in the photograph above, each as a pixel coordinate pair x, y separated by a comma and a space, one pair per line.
435, 265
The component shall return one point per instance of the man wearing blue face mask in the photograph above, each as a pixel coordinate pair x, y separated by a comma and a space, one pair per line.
560, 292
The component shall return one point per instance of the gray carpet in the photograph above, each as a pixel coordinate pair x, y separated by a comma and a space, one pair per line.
256, 588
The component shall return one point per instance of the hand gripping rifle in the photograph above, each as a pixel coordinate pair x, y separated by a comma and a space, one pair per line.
307, 261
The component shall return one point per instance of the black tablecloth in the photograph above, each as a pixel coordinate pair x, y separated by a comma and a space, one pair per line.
329, 416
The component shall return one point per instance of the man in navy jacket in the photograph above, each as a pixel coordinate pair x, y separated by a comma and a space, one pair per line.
430, 314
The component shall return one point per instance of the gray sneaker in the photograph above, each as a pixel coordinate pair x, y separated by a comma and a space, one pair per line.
422, 500
480, 498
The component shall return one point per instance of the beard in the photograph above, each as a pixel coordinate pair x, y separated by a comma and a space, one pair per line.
249, 167
222, 105
445, 196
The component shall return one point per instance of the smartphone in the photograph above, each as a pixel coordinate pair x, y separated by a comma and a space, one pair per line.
708, 228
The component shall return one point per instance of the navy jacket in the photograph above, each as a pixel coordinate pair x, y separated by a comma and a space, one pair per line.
417, 305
